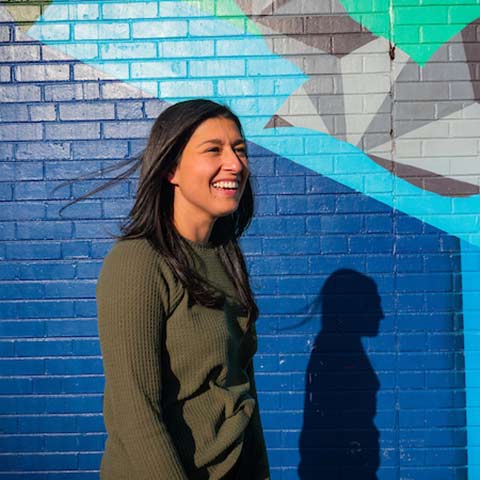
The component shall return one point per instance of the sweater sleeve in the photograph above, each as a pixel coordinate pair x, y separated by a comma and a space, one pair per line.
261, 470
131, 298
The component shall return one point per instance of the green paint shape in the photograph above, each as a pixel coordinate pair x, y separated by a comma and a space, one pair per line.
226, 10
25, 14
418, 27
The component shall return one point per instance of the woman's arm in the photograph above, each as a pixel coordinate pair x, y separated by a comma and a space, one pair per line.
131, 296
261, 469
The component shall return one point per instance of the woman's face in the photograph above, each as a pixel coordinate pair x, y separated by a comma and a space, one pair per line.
211, 174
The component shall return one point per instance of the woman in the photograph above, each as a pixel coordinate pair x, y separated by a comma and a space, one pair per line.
176, 313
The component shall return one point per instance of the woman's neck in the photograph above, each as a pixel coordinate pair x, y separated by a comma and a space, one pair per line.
196, 232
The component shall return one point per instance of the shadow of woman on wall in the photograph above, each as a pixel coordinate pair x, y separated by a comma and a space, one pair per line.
339, 440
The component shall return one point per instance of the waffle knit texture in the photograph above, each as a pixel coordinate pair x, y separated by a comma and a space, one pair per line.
180, 400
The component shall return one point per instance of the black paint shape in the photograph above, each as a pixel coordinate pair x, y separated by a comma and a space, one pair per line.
339, 439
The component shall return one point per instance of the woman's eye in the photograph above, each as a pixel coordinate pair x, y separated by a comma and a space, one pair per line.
213, 149
241, 151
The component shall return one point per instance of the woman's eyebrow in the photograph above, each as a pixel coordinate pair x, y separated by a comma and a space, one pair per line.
219, 141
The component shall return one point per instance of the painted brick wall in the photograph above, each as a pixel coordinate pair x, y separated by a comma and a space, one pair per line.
363, 122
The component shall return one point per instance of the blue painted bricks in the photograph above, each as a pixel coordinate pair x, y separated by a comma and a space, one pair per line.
392, 383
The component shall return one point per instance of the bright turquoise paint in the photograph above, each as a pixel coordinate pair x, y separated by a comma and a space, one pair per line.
337, 160
417, 27
471, 325
429, 207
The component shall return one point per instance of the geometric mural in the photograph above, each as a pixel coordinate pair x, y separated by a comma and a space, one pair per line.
25, 15
398, 98
363, 121
342, 60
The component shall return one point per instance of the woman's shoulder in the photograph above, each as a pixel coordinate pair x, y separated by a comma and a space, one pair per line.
134, 264
135, 258
132, 251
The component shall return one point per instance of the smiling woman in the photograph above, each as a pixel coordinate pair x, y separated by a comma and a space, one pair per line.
176, 313
210, 177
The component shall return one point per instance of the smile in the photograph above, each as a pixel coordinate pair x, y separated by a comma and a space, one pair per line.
226, 185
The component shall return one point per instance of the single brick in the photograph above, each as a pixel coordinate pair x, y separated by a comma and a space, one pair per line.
18, 132
103, 71
115, 209
87, 347
41, 113
47, 424
246, 86
117, 191
119, 90
70, 289
87, 270
135, 129
72, 131
122, 11
124, 50
22, 211
75, 404
422, 91
278, 265
131, 110
29, 171
75, 249
97, 111
19, 53
16, 329
411, 15
186, 89
51, 32
90, 384
31, 191
44, 230
90, 423
72, 366
372, 244
277, 225
100, 149
16, 112
234, 47
5, 33
171, 8
282, 185
5, 73
294, 245
32, 251
297, 204
21, 366
101, 31
66, 51
188, 48
72, 91
46, 270
7, 232
159, 29
6, 191
42, 72
81, 210
86, 308
219, 68
200, 27
158, 69
78, 11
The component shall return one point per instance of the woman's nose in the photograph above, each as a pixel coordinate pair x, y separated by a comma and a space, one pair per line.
232, 161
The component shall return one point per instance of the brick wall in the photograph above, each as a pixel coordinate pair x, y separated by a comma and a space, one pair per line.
363, 125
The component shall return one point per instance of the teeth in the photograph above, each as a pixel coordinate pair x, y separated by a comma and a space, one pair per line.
225, 184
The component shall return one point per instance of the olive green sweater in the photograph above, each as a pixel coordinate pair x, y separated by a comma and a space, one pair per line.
180, 400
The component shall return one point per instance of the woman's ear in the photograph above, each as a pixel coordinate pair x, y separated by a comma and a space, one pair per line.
172, 176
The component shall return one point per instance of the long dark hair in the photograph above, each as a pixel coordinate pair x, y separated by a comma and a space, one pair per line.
152, 214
